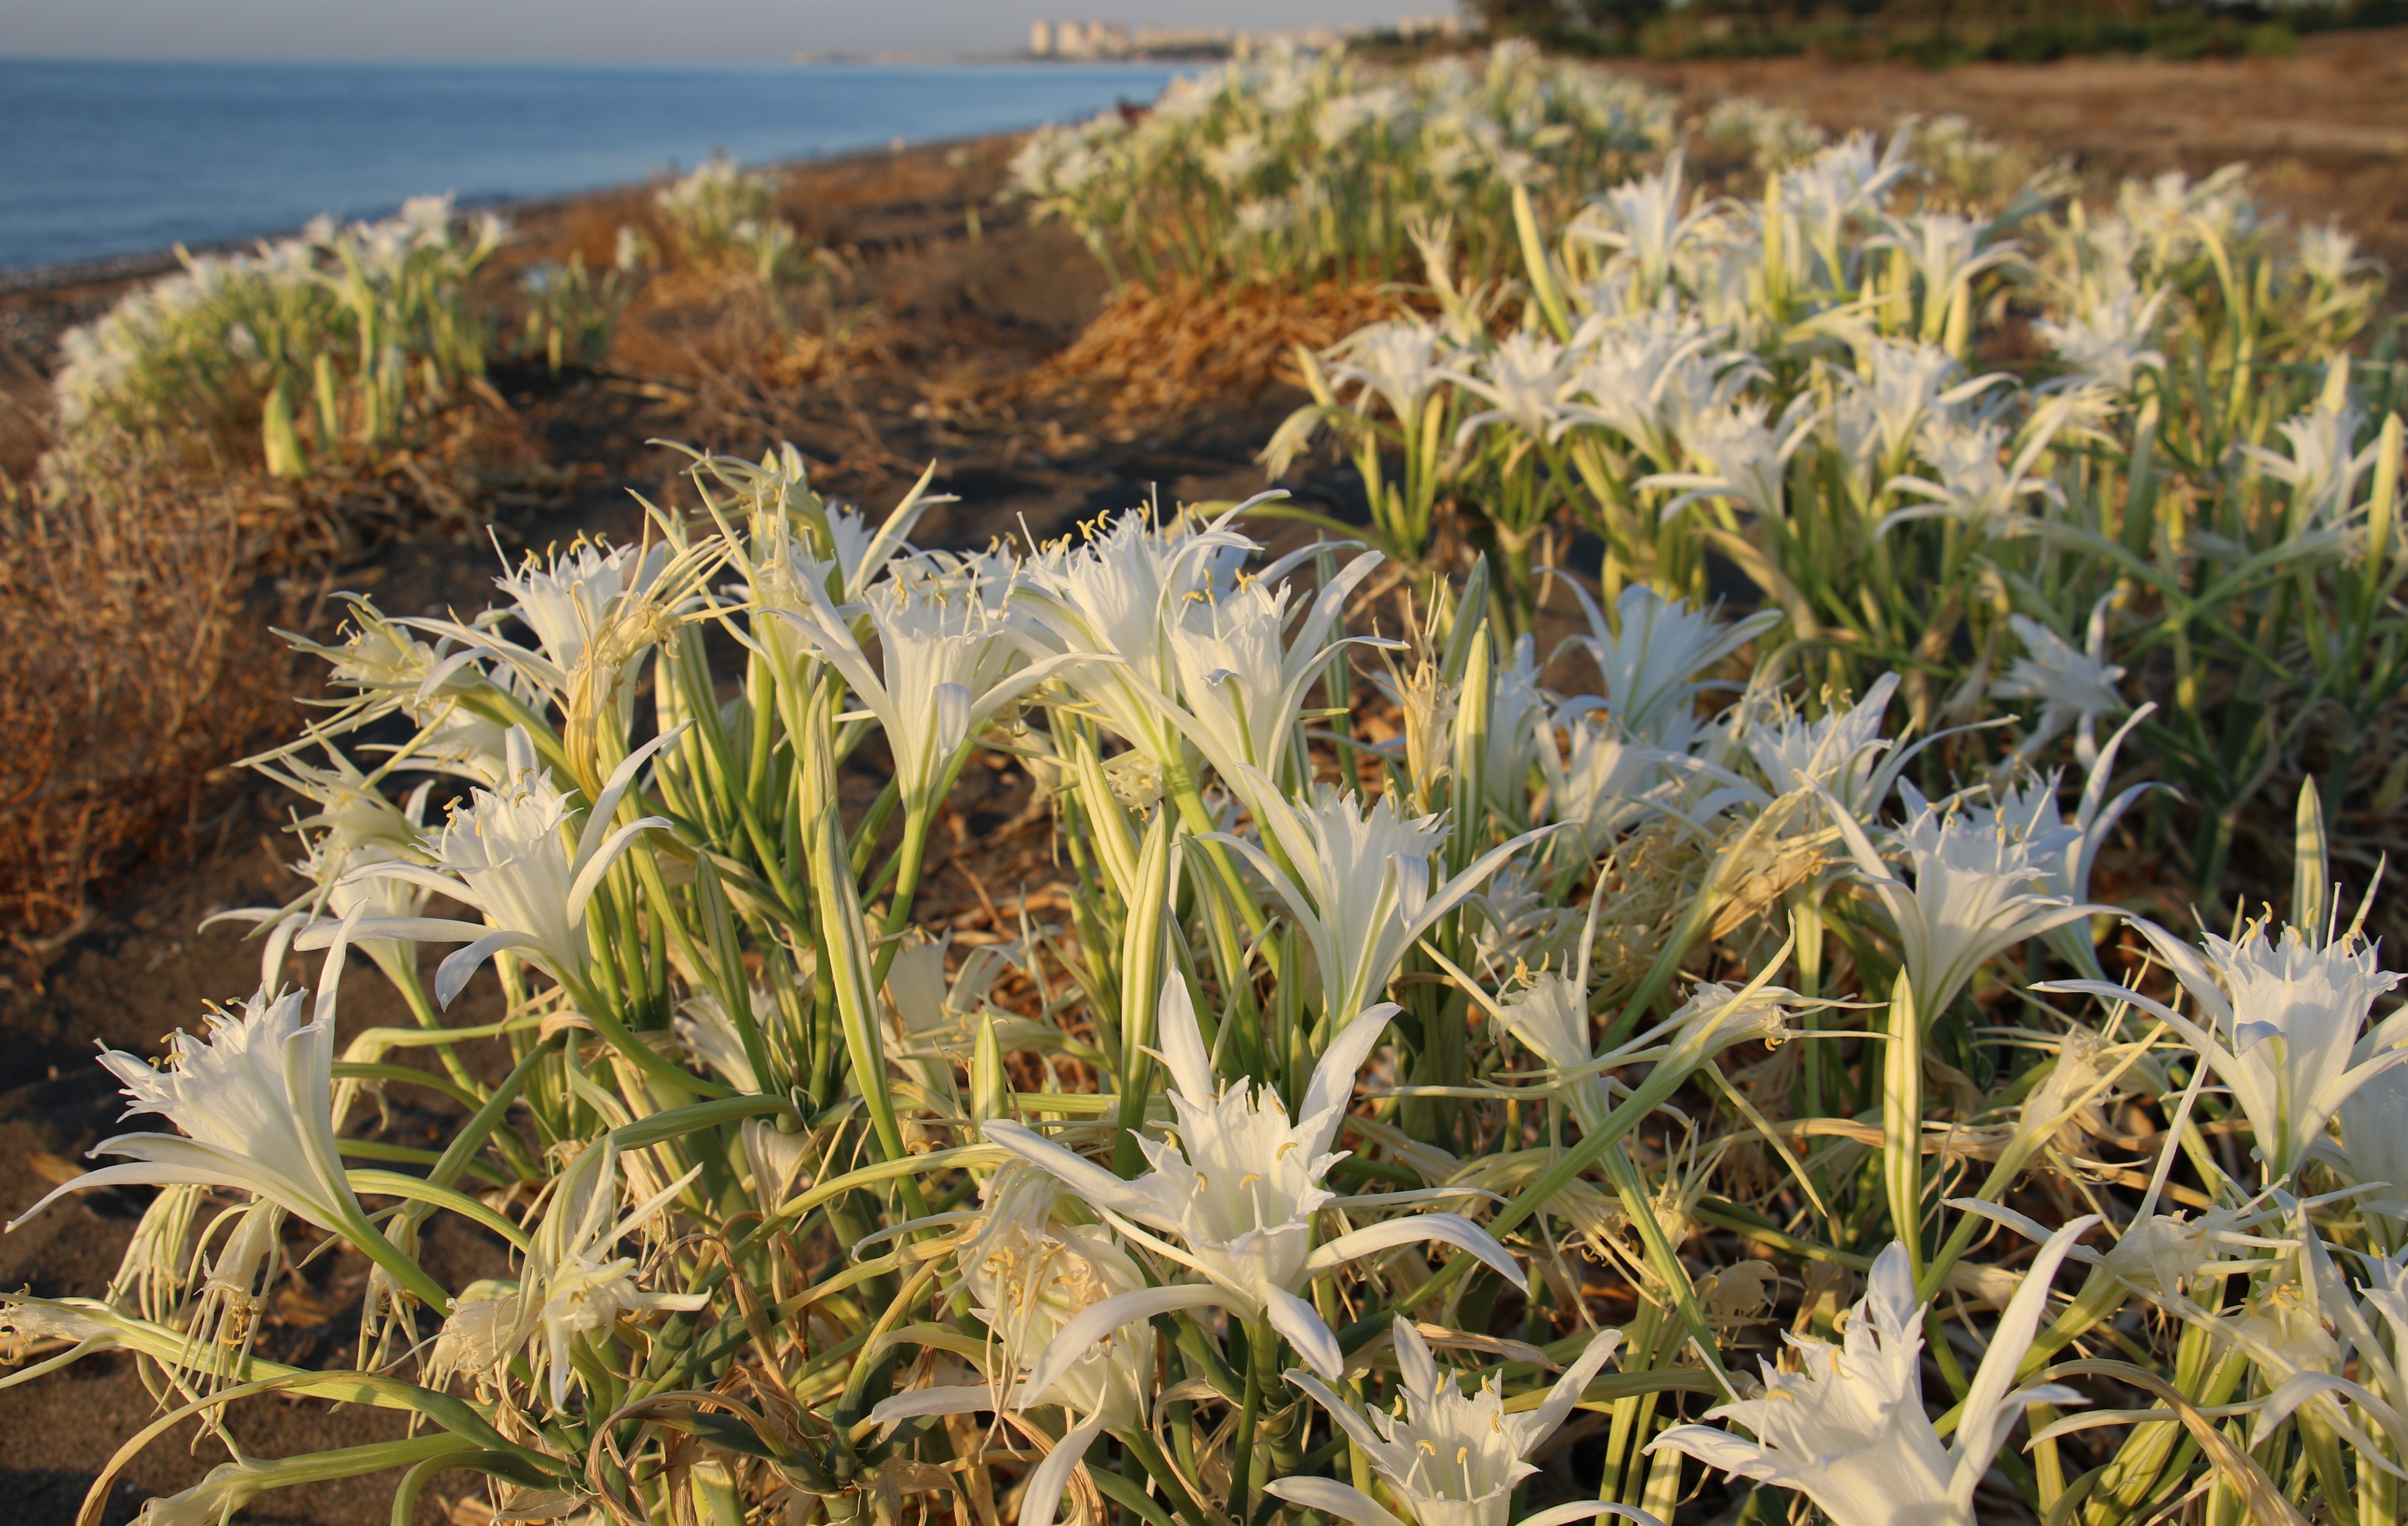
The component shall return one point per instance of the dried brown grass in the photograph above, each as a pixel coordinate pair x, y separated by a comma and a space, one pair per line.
137, 668
1155, 354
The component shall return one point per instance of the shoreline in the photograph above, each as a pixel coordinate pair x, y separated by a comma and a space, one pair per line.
110, 269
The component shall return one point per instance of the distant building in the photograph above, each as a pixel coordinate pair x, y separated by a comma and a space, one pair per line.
1117, 39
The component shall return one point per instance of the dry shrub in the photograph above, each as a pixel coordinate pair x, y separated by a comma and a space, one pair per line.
472, 464
1155, 354
135, 669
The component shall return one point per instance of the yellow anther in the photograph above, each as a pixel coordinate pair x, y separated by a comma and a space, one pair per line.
1249, 1179
1280, 1154
1425, 1445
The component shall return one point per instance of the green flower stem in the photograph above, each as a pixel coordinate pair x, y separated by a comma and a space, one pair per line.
1150, 1457
1262, 1361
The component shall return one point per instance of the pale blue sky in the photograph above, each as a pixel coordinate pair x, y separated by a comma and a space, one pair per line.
525, 30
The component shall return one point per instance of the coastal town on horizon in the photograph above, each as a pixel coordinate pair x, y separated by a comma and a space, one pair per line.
1093, 39
1109, 41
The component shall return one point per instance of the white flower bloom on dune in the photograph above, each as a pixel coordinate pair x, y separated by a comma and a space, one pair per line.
944, 670
1028, 1275
1360, 888
1397, 361
1651, 653
1642, 219
1452, 1458
1976, 483
2108, 346
1523, 380
1645, 375
1121, 592
569, 604
1599, 780
517, 853
2283, 1026
1239, 1190
1244, 674
2067, 849
1944, 250
1977, 892
2325, 462
1904, 387
2074, 689
1848, 1431
573, 1284
1842, 752
254, 1098
1741, 453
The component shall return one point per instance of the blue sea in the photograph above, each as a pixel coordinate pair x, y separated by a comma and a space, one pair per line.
100, 159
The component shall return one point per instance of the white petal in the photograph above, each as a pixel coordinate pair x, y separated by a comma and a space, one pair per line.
952, 718
1332, 1498
1052, 1475
1097, 1322
1293, 1317
1332, 1087
1564, 1515
1978, 1436
1719, 1448
1340, 1412
1182, 1042
1082, 1175
462, 964
1569, 1387
1452, 1229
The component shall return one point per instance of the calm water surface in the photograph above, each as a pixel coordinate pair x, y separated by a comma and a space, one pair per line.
107, 158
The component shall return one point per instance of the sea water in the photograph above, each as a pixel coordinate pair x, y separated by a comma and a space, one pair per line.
100, 159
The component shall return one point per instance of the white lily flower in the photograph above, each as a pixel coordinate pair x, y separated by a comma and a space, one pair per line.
1240, 1190
1742, 453
1397, 361
1944, 250
1644, 376
1651, 653
2374, 1146
1244, 674
1361, 891
1524, 381
1643, 219
1849, 1432
1451, 1459
1122, 594
574, 1286
1029, 1275
1977, 485
945, 670
1907, 384
509, 854
2283, 1029
1597, 779
1843, 754
1977, 892
2323, 464
2074, 689
2067, 850
254, 1098
2108, 346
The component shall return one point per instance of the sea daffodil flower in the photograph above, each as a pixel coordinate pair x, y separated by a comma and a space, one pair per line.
254, 1098
2282, 1025
1240, 1190
1848, 1431
509, 854
1452, 1458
